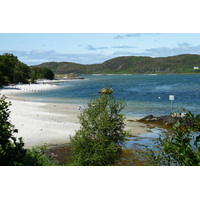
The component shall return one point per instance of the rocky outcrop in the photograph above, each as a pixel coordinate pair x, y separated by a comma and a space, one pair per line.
168, 120
163, 120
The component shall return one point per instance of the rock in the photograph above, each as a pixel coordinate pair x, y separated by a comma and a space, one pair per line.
164, 120
147, 118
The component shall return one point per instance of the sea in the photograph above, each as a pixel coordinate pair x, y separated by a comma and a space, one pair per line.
143, 94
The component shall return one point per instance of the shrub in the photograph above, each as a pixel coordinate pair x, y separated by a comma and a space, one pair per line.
100, 138
12, 151
181, 147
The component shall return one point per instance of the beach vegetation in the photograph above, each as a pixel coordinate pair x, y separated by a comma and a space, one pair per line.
40, 73
100, 139
12, 70
12, 151
179, 147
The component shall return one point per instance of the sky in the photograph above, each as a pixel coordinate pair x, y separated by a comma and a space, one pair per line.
92, 48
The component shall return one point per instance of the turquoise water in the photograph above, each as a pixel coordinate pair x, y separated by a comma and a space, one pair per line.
144, 140
143, 94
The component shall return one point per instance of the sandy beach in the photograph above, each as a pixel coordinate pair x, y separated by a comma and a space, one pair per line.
48, 124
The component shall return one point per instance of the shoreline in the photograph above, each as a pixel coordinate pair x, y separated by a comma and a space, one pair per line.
48, 124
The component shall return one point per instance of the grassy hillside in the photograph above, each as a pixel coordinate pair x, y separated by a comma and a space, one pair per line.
131, 65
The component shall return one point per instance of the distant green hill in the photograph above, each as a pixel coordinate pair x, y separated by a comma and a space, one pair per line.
181, 64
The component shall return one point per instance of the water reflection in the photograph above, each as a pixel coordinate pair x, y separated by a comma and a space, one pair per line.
144, 140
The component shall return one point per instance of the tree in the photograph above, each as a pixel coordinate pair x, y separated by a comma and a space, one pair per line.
21, 73
1, 79
41, 72
7, 64
47, 73
181, 147
34, 74
12, 151
99, 140
12, 70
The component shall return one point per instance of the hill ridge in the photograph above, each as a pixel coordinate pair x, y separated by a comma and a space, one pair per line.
178, 64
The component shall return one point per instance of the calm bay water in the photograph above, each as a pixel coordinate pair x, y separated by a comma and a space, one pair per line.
143, 94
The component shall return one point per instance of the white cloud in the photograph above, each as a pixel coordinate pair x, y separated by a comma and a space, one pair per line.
123, 53
119, 37
38, 56
184, 44
183, 48
134, 35
124, 47
161, 51
91, 48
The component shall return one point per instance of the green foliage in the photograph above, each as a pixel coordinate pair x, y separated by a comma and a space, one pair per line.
100, 138
180, 147
12, 70
41, 72
131, 65
35, 157
12, 151
21, 73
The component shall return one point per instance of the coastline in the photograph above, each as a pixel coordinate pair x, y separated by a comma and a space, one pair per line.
48, 124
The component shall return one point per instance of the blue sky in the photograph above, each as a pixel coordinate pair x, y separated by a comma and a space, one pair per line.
90, 48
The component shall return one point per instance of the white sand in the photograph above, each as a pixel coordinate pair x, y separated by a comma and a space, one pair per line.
9, 90
47, 124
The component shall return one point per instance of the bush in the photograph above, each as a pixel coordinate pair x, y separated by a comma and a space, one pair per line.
12, 70
12, 151
181, 147
100, 138
40, 73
